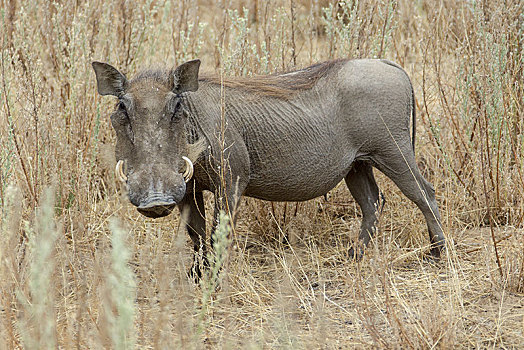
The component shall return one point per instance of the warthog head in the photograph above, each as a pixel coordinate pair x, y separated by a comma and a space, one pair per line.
151, 142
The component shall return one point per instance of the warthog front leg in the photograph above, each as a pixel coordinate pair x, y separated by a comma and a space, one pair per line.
225, 202
192, 212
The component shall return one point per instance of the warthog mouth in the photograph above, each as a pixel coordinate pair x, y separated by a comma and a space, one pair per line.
156, 207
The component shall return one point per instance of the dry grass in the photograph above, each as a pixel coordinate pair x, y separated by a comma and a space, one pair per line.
79, 268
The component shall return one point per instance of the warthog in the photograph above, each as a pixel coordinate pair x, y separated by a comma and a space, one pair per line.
282, 137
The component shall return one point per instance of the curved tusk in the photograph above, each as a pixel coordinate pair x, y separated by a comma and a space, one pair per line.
188, 173
119, 171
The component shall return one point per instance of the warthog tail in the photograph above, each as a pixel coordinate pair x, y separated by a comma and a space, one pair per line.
414, 116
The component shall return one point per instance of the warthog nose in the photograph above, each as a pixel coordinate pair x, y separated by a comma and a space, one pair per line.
156, 206
149, 203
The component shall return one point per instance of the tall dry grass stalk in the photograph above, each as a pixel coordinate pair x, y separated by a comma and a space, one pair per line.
38, 325
288, 283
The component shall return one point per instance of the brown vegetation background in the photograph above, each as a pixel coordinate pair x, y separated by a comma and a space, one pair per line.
80, 268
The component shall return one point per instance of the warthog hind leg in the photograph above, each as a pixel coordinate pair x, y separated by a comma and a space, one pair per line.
364, 189
404, 172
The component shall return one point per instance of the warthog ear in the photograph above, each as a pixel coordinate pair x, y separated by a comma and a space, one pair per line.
185, 77
109, 80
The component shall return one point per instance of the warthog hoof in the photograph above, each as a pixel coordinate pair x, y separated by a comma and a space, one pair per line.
436, 251
197, 270
356, 253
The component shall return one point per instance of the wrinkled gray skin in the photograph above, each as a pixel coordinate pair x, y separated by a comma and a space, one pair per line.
289, 148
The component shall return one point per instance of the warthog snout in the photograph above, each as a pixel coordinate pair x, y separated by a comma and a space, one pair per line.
155, 190
157, 200
156, 206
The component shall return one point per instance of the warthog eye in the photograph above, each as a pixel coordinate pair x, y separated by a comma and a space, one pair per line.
177, 113
123, 120
122, 108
